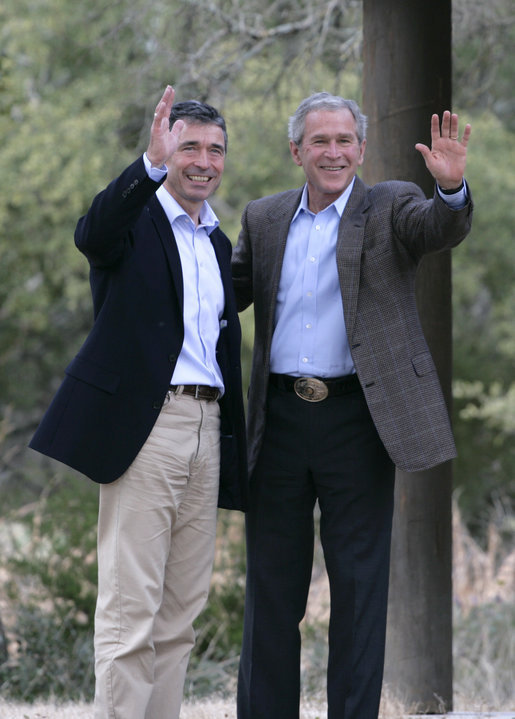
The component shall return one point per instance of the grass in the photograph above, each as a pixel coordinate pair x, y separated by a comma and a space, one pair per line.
206, 709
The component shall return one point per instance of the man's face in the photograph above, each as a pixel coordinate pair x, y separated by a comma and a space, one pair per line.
330, 155
195, 168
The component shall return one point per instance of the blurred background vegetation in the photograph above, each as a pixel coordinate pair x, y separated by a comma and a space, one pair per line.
78, 85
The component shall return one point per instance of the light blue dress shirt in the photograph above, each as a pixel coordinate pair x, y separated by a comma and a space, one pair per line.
204, 298
310, 337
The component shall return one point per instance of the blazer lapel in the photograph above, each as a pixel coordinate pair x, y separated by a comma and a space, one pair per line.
225, 269
349, 247
171, 251
276, 230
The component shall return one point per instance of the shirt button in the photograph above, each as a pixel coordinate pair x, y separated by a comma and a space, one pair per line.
308, 326
309, 294
312, 259
317, 227
305, 359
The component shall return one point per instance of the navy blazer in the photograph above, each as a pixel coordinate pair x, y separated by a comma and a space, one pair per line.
115, 387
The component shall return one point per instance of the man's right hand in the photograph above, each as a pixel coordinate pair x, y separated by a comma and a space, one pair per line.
163, 141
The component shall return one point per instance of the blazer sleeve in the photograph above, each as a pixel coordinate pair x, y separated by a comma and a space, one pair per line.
427, 226
102, 234
241, 266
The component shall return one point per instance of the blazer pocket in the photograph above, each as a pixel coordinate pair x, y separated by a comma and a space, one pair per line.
423, 364
93, 374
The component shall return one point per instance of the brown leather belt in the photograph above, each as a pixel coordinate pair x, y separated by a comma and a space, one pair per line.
199, 391
315, 389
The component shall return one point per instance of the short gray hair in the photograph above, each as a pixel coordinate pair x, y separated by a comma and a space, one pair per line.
324, 101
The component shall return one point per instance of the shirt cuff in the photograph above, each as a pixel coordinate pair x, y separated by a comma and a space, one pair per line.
155, 173
455, 200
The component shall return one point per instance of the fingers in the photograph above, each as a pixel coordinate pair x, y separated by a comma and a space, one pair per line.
449, 128
466, 134
164, 106
423, 149
159, 148
176, 129
450, 125
435, 127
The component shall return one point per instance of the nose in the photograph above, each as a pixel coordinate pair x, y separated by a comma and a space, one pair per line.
333, 149
202, 159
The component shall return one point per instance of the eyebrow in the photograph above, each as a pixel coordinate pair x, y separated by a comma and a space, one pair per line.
196, 143
321, 136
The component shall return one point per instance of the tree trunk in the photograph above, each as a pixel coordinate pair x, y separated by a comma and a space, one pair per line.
407, 77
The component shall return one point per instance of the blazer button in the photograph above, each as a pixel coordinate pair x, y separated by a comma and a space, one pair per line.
157, 405
172, 358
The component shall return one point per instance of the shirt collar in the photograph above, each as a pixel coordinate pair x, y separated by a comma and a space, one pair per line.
338, 204
173, 210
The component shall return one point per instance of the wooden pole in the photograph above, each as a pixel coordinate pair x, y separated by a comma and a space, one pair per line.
407, 77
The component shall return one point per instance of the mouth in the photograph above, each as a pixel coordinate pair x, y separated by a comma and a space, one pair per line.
198, 178
331, 168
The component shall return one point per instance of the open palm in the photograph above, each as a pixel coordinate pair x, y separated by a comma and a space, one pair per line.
447, 157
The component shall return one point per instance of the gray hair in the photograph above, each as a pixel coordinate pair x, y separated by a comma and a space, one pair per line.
324, 101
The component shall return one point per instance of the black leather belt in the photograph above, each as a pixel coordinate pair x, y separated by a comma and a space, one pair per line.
199, 391
314, 389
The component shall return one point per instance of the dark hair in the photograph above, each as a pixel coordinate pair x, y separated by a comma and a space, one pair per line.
198, 112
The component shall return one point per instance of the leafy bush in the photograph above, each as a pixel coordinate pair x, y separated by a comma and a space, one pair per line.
54, 657
51, 564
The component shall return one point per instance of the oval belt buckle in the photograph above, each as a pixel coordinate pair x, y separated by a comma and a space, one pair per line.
311, 389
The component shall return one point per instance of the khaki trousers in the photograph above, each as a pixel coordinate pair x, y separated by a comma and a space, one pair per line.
156, 540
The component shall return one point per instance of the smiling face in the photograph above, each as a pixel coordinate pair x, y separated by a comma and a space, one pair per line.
195, 168
329, 154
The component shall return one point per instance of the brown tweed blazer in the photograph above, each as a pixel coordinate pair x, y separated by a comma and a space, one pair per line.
384, 233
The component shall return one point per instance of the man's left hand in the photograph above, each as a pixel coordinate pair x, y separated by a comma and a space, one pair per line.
447, 157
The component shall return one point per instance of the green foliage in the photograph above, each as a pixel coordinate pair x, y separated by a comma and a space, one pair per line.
484, 47
59, 547
484, 332
54, 659
52, 567
58, 146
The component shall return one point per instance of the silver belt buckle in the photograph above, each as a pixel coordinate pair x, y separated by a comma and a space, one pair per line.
311, 389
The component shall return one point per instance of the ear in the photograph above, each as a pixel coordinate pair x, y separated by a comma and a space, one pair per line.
362, 152
295, 153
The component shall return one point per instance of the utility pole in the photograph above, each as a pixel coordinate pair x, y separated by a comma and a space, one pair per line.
407, 78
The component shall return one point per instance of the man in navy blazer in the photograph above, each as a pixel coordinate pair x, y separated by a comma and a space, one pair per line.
151, 406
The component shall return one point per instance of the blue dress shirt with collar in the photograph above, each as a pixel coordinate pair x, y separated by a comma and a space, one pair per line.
203, 291
310, 337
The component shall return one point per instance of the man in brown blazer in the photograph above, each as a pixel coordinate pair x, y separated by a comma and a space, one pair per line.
343, 389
